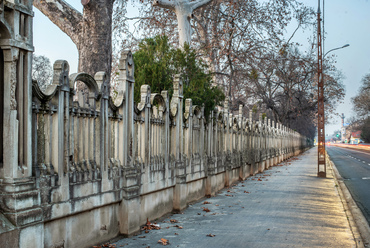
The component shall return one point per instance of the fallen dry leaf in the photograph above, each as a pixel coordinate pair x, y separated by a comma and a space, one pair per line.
207, 202
174, 221
150, 226
210, 235
163, 241
246, 192
206, 209
109, 245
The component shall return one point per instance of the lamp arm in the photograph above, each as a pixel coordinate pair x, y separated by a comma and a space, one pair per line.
335, 49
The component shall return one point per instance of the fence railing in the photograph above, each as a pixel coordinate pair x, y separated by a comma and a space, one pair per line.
89, 146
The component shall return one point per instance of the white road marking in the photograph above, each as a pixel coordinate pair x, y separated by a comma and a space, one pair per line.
355, 157
366, 178
358, 151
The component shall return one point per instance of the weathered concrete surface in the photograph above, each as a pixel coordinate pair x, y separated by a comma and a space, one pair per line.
289, 207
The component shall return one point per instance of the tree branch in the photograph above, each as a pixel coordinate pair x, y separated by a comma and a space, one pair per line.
63, 15
199, 3
165, 4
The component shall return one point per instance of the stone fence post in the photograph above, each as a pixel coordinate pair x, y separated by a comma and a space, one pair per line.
177, 132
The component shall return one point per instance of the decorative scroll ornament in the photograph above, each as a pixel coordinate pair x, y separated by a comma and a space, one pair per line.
145, 97
177, 95
188, 108
127, 67
158, 98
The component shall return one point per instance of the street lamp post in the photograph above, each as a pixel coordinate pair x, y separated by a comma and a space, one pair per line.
321, 161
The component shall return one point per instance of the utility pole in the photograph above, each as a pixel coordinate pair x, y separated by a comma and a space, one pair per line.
321, 161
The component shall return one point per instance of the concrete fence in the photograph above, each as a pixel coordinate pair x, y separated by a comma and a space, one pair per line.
102, 167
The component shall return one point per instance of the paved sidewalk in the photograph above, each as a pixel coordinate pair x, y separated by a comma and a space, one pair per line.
286, 206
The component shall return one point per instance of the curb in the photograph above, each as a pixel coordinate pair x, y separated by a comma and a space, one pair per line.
358, 224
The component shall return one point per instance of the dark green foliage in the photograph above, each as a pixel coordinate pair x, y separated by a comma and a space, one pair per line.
254, 74
365, 130
156, 63
153, 65
254, 108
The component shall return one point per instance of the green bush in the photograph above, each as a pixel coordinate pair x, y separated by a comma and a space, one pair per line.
156, 63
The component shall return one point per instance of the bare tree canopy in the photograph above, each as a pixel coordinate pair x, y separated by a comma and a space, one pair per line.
243, 42
361, 106
42, 71
245, 45
361, 101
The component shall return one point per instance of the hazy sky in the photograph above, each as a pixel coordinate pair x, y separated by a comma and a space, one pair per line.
346, 22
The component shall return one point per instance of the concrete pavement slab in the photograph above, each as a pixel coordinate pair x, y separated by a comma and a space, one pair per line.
286, 206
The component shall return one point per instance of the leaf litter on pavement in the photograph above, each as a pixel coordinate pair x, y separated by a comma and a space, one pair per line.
108, 245
261, 177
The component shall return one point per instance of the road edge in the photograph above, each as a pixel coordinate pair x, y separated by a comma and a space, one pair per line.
358, 224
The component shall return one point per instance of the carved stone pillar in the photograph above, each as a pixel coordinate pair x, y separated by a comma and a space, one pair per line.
130, 207
179, 194
10, 121
211, 186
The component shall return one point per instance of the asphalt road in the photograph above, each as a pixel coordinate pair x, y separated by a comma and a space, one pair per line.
354, 167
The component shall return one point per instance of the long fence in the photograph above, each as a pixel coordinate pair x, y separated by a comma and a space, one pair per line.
103, 166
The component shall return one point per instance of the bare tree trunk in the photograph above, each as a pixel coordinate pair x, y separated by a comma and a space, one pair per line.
95, 44
91, 31
184, 11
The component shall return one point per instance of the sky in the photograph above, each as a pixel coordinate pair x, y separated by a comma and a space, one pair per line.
346, 22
